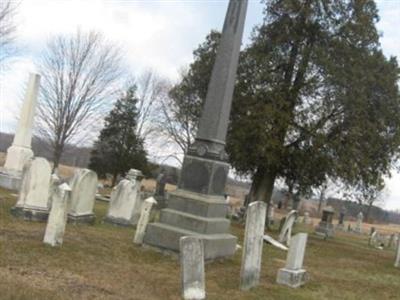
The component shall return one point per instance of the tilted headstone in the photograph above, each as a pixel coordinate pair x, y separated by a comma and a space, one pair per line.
33, 198
125, 203
293, 274
143, 220
269, 240
397, 261
286, 231
192, 268
253, 245
83, 192
58, 216
358, 227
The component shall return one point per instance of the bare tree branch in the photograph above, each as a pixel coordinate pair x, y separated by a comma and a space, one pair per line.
8, 29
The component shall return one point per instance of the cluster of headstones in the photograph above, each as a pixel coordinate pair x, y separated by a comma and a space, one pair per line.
292, 275
44, 196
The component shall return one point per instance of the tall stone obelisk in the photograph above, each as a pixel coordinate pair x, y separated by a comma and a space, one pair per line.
20, 151
198, 206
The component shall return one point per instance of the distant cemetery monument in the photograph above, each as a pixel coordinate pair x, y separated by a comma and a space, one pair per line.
20, 151
325, 227
198, 206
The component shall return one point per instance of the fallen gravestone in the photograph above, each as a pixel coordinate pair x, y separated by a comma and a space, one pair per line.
253, 245
274, 243
293, 274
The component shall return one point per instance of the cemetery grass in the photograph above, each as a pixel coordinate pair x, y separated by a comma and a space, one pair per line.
101, 262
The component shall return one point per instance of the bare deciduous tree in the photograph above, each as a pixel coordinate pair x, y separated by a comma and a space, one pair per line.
80, 73
7, 29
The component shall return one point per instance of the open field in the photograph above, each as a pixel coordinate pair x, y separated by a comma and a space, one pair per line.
100, 262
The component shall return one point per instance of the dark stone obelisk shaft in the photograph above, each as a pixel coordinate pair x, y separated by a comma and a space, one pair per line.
205, 169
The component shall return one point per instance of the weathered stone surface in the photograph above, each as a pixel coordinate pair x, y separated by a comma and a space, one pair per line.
192, 268
286, 231
397, 260
20, 151
125, 202
273, 242
253, 245
307, 220
293, 274
58, 216
33, 199
358, 227
325, 227
83, 186
190, 214
143, 220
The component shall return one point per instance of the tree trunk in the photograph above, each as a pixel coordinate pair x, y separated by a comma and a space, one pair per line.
114, 179
58, 149
368, 211
263, 188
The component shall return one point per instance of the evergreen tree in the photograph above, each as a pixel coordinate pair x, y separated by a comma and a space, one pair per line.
118, 148
315, 98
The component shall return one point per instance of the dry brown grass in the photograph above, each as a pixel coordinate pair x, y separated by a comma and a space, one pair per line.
101, 262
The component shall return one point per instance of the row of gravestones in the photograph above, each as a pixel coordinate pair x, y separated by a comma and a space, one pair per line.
292, 275
38, 185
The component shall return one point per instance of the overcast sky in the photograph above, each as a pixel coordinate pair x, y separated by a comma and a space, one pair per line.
159, 34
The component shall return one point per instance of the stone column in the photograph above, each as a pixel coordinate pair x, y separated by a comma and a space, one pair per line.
58, 216
360, 218
397, 261
253, 245
143, 220
20, 151
198, 206
192, 268
293, 274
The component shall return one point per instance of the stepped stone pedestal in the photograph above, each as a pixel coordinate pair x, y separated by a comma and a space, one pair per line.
190, 214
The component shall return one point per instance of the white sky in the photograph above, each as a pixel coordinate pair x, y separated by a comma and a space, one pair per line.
156, 34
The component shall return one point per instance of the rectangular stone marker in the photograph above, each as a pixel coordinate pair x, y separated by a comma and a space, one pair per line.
397, 261
253, 245
143, 220
293, 275
58, 216
192, 268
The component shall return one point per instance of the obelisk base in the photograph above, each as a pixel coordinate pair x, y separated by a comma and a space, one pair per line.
190, 214
17, 156
10, 180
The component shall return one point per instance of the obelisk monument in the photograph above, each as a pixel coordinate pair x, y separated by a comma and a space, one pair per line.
20, 151
198, 206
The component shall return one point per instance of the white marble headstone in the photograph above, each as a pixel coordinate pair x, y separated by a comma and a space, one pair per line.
253, 245
143, 220
286, 232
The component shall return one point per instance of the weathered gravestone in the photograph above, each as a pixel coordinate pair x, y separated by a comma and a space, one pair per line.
198, 206
373, 239
192, 268
58, 216
143, 220
83, 192
125, 203
33, 199
358, 227
253, 245
20, 151
307, 220
325, 227
293, 274
340, 224
286, 231
397, 261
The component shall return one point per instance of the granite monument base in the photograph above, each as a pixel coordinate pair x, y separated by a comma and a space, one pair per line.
292, 278
325, 229
81, 219
10, 180
30, 214
190, 214
118, 221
